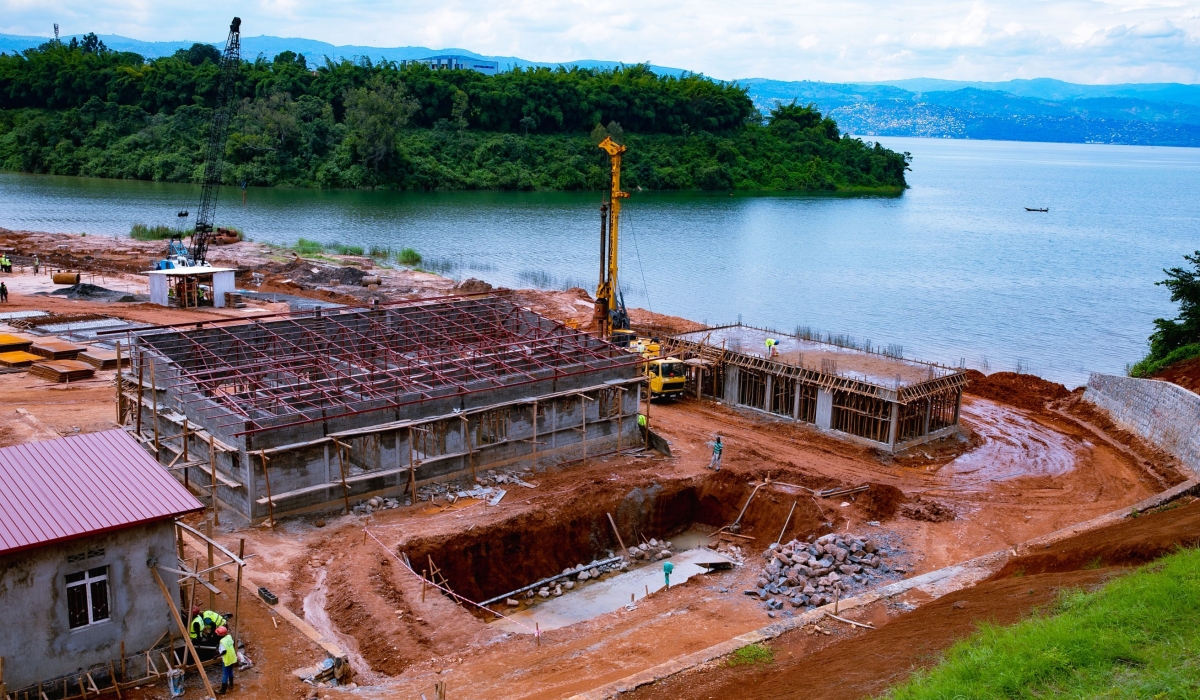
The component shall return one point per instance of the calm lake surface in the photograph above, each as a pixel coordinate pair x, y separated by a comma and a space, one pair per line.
954, 270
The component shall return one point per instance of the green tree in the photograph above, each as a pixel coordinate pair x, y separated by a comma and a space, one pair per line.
374, 117
1171, 334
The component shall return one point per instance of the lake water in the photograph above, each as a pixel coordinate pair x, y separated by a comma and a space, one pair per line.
954, 270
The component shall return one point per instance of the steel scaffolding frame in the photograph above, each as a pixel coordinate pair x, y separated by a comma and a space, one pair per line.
306, 367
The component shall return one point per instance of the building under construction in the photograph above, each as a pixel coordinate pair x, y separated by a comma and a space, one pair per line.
879, 399
307, 410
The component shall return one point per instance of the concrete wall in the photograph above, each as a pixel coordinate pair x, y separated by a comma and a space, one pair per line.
38, 644
558, 434
1164, 414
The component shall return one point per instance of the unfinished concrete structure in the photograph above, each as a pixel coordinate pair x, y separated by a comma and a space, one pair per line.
875, 398
309, 410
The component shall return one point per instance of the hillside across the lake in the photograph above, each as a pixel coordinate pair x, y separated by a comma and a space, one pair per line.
81, 109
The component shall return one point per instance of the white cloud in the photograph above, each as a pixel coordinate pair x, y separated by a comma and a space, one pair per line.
1080, 40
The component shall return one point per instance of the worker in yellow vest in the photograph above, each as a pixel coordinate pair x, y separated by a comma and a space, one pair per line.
228, 659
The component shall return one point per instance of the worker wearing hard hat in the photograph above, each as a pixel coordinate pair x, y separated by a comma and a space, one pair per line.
228, 659
772, 347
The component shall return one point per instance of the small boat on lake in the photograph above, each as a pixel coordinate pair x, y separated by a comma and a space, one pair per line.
1044, 209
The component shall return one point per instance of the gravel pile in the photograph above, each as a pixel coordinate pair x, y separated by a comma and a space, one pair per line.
807, 574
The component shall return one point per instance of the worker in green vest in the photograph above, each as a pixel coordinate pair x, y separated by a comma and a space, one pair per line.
772, 351
228, 659
197, 626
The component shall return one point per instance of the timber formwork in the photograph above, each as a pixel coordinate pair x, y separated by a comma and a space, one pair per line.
873, 398
310, 410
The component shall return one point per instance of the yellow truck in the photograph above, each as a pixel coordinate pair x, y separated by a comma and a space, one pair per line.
666, 375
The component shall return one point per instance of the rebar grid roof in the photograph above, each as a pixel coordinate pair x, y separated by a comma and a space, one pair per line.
307, 367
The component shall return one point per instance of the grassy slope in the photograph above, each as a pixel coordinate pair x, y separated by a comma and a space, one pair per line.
1138, 637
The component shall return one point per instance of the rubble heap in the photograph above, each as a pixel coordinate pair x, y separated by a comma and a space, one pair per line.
810, 573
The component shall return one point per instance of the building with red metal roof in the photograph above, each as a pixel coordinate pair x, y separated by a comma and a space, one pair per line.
82, 519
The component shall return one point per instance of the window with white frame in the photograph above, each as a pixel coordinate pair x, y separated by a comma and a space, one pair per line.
87, 597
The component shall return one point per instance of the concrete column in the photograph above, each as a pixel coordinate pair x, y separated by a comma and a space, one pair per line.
732, 374
928, 412
769, 393
824, 409
893, 426
796, 402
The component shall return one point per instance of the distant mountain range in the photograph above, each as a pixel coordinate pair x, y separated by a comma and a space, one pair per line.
1043, 109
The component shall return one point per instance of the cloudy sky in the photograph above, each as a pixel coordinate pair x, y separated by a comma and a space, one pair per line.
1088, 41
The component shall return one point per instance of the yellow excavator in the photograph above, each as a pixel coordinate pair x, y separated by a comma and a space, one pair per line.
665, 375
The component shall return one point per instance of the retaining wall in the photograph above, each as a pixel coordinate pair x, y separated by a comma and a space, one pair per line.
1164, 414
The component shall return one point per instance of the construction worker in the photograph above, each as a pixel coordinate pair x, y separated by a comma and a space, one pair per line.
228, 659
214, 620
197, 627
35, 264
715, 463
3, 293
668, 567
772, 348
642, 422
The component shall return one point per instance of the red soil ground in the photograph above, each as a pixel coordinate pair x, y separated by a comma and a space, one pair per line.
853, 663
1186, 374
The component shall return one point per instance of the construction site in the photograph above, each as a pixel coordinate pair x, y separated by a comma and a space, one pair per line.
426, 488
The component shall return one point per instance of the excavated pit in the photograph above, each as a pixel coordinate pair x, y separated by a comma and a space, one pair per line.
488, 562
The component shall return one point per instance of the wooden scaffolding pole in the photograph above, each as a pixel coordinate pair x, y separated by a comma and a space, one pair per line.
141, 367
237, 595
212, 469
267, 477
183, 630
212, 574
342, 471
154, 408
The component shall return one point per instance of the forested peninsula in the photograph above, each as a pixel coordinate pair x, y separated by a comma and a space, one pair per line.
82, 109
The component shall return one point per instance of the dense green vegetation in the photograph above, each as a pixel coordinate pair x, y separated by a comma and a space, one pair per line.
1138, 637
1178, 339
82, 109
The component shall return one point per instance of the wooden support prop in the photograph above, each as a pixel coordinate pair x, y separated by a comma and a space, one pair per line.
583, 428
649, 396
850, 622
837, 597
212, 469
112, 673
183, 630
439, 690
120, 419
192, 594
412, 469
3, 684
470, 452
423, 582
141, 368
237, 596
212, 575
267, 477
342, 470
535, 442
154, 408
787, 522
618, 534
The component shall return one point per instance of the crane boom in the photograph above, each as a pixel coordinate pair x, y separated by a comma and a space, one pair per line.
610, 309
218, 129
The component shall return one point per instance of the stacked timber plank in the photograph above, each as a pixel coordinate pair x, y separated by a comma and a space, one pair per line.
234, 300
63, 370
102, 359
13, 343
18, 358
55, 349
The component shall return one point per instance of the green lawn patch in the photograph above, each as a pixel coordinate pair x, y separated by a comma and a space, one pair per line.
752, 654
1137, 637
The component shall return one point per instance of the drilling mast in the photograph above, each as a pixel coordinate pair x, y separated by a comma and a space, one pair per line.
218, 130
610, 314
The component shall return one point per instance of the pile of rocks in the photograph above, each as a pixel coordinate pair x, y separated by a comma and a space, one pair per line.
373, 504
810, 573
484, 489
654, 550
574, 575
